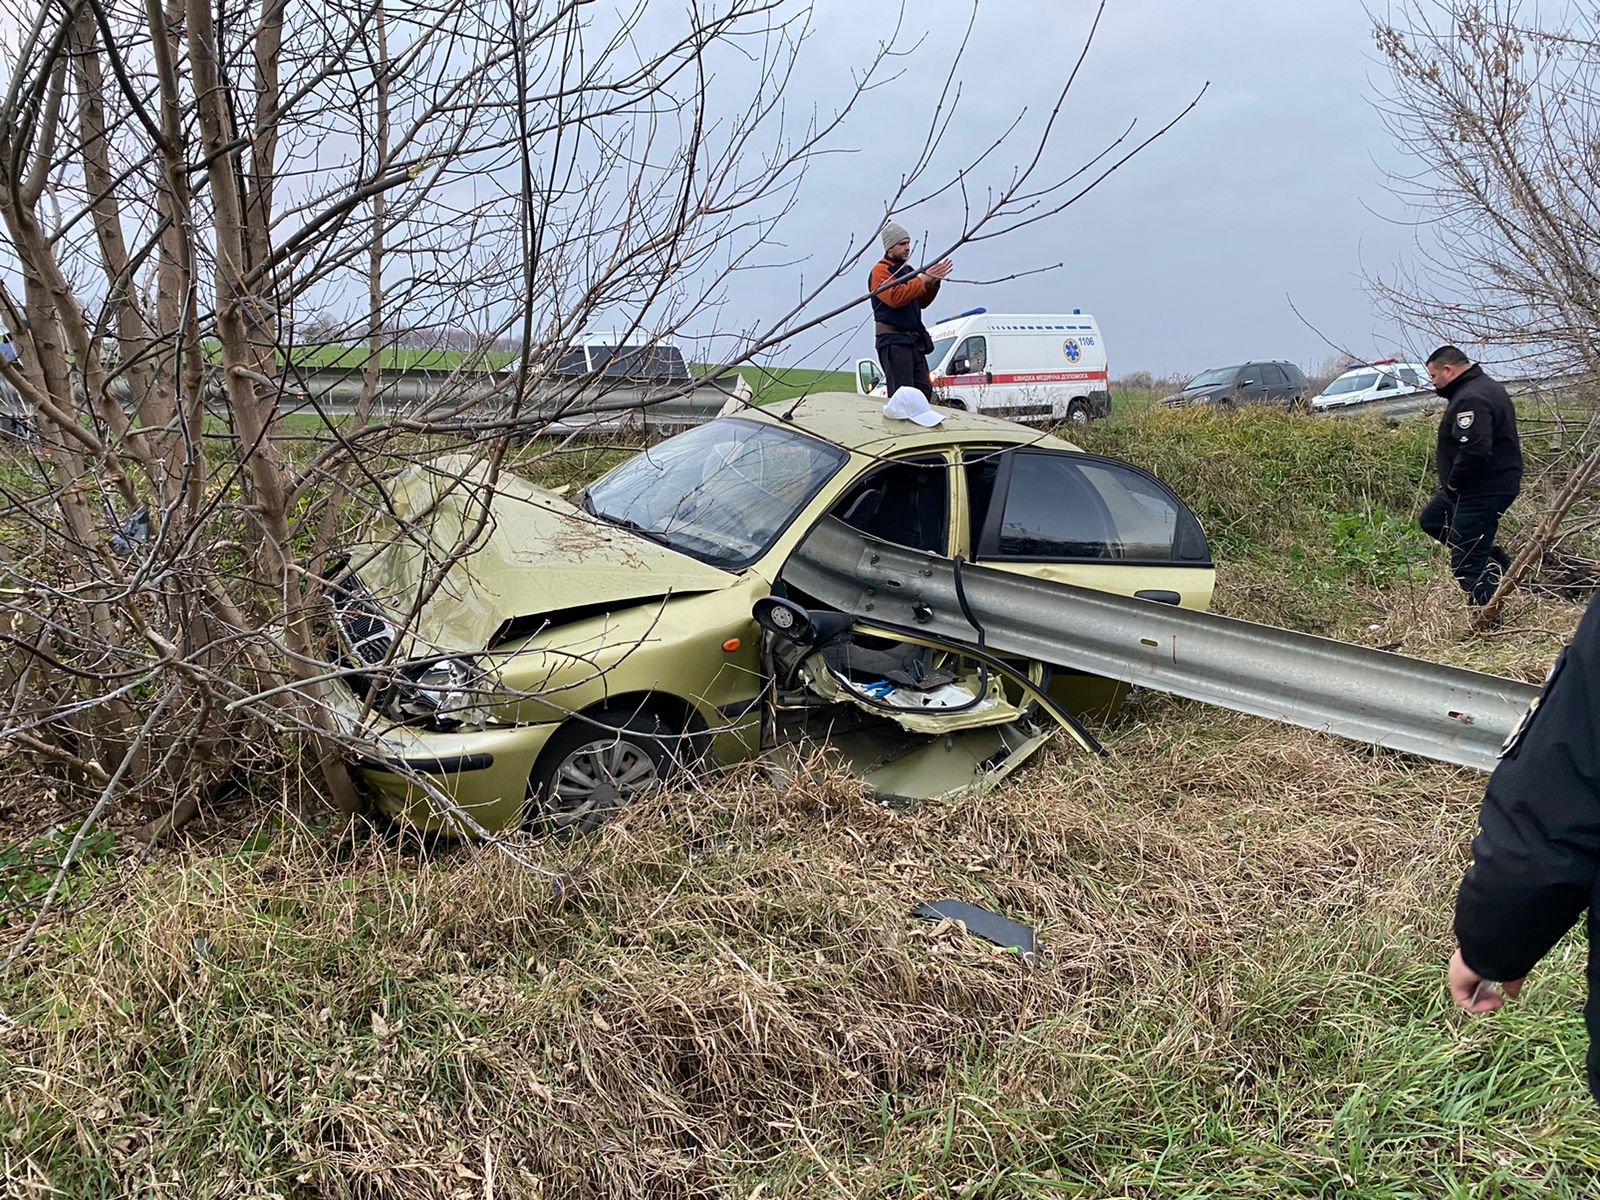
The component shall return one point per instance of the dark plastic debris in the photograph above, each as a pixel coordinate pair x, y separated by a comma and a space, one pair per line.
1002, 931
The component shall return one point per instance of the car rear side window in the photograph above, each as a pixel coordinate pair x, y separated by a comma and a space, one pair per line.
1063, 506
1272, 375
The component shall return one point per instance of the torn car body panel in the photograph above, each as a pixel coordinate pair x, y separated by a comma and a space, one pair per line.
902, 768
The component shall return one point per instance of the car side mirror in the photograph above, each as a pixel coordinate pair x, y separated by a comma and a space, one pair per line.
796, 623
960, 367
1246, 382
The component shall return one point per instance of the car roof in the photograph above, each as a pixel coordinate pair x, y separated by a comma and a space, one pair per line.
857, 423
1382, 367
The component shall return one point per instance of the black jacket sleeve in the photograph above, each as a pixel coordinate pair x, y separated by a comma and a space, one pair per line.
1537, 854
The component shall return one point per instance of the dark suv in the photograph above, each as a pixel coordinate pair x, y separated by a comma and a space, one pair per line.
1275, 382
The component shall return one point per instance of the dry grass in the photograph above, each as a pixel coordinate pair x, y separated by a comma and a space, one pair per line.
1240, 993
1240, 996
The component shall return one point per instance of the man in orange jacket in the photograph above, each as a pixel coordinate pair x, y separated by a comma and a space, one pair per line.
899, 294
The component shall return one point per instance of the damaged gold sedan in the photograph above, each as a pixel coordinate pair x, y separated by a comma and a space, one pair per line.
519, 658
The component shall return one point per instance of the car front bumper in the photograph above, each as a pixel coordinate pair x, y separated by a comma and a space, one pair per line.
456, 783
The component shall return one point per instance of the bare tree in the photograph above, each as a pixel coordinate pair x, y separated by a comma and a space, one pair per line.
203, 199
1494, 104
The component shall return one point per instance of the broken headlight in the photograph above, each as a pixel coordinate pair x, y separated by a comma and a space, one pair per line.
446, 694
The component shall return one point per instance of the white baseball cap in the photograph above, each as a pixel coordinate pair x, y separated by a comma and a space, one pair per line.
908, 404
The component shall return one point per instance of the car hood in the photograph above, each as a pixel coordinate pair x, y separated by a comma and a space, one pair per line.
538, 557
1197, 395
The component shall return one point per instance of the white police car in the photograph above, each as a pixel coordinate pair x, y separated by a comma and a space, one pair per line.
1382, 380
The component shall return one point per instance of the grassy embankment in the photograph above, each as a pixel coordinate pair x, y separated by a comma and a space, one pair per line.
1241, 994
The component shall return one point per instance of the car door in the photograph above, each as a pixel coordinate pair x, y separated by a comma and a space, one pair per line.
967, 379
1274, 383
1085, 520
1389, 384
1264, 384
934, 753
1252, 385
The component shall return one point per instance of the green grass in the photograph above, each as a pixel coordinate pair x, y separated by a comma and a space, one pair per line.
775, 384
402, 359
1241, 996
1126, 401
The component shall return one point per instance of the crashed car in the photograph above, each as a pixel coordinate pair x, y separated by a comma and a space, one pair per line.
514, 657
1385, 379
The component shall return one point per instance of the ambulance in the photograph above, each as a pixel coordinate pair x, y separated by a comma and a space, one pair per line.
1024, 367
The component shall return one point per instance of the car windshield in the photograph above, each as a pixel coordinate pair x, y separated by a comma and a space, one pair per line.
721, 493
1212, 378
940, 349
1356, 381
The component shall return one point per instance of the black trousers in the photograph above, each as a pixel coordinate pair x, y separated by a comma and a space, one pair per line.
1467, 524
905, 366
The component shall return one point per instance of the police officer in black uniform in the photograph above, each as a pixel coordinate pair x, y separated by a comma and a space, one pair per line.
1480, 471
1536, 859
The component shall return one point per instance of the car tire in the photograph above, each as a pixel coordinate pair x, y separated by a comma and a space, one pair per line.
1078, 413
594, 767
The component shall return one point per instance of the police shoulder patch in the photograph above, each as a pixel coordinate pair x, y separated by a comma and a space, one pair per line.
1464, 420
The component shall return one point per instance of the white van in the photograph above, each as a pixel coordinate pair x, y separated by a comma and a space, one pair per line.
1384, 379
1014, 365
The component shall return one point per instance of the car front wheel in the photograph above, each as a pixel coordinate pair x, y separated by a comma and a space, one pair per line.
594, 767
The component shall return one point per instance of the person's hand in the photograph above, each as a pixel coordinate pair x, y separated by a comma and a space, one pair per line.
1475, 994
940, 269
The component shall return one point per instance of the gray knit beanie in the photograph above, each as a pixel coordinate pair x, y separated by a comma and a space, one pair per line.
893, 235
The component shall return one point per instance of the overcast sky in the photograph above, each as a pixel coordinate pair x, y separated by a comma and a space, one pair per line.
1271, 189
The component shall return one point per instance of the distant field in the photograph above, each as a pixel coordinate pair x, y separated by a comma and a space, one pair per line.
400, 359
1132, 400
786, 383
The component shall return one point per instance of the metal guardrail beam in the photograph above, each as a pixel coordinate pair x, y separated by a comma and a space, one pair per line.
1427, 401
1438, 712
607, 405
1392, 410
